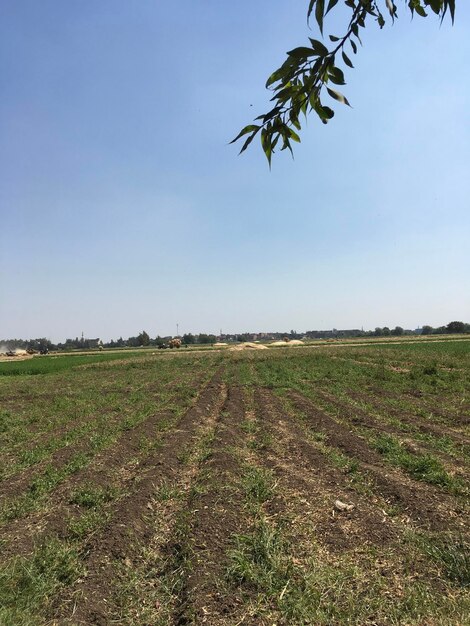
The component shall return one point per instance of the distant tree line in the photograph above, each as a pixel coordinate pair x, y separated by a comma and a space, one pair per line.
143, 339
451, 329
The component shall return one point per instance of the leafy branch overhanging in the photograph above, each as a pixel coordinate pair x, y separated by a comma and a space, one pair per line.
311, 72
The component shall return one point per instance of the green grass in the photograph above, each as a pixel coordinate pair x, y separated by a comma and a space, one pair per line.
40, 488
81, 527
423, 467
29, 587
91, 496
51, 364
280, 569
258, 484
452, 554
286, 586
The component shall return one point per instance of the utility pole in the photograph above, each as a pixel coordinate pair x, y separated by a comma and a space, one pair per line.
177, 330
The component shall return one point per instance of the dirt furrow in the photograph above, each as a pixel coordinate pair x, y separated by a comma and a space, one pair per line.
421, 423
20, 482
425, 505
15, 483
358, 416
307, 472
216, 515
422, 401
115, 466
132, 523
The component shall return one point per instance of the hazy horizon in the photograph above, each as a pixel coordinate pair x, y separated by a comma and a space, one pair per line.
180, 332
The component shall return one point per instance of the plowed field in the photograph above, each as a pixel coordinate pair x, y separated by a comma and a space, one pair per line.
300, 486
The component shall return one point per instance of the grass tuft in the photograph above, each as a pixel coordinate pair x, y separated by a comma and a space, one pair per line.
423, 467
453, 555
28, 585
258, 484
92, 496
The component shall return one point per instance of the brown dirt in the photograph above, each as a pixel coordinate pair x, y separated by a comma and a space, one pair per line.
424, 504
424, 425
24, 533
357, 416
131, 524
417, 398
118, 465
18, 483
217, 514
307, 472
212, 503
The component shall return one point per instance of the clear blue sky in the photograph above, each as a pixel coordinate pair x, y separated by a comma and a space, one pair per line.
122, 207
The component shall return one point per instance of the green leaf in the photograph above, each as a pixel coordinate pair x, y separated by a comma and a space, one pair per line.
435, 6
244, 131
319, 48
271, 114
353, 46
293, 135
301, 52
310, 9
331, 5
266, 144
392, 9
275, 76
420, 11
336, 76
346, 59
275, 140
294, 119
451, 5
336, 95
329, 113
247, 142
334, 38
323, 112
319, 13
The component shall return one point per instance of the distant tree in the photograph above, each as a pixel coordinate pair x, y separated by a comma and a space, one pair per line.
397, 331
143, 338
189, 339
40, 344
378, 332
205, 339
455, 327
244, 337
427, 330
386, 331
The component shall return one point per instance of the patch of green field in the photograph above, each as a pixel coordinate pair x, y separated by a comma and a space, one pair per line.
423, 467
30, 587
55, 363
284, 574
